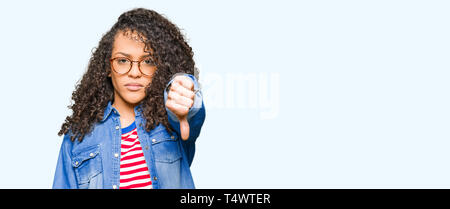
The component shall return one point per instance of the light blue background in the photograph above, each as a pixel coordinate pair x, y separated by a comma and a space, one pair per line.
363, 89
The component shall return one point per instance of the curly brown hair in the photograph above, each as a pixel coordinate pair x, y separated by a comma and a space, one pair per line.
94, 91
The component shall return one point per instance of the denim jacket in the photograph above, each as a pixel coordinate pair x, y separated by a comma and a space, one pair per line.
95, 162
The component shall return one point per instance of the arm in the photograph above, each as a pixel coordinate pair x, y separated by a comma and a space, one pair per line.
64, 173
195, 117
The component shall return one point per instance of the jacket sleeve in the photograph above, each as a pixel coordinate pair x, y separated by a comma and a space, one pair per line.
64, 173
195, 118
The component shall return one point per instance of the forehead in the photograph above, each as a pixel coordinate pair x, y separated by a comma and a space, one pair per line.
130, 43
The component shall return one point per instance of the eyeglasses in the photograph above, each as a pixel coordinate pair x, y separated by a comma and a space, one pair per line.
123, 65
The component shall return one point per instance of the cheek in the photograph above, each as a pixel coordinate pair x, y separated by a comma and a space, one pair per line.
116, 83
148, 81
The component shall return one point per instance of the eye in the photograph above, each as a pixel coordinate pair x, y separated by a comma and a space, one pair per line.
122, 60
149, 62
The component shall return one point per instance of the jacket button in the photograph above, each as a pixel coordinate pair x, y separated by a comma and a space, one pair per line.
76, 163
91, 155
116, 155
172, 137
117, 127
153, 140
114, 186
146, 147
155, 178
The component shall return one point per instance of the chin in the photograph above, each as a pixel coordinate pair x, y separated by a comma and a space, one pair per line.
134, 99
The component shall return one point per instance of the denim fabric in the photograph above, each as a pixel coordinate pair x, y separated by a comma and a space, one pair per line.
94, 163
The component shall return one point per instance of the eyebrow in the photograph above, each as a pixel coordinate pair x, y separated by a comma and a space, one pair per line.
127, 55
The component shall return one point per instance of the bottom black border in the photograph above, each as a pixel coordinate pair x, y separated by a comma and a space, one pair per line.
231, 198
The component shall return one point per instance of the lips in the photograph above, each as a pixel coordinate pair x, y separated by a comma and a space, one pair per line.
134, 86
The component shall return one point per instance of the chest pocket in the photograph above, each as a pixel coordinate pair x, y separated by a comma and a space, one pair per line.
88, 165
165, 147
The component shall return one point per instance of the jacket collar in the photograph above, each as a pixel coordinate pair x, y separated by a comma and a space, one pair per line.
109, 109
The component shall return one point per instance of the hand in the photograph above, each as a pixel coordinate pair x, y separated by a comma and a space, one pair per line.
179, 99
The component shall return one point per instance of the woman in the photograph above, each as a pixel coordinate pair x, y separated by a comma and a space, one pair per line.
137, 111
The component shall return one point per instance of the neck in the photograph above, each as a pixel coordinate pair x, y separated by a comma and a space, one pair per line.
126, 110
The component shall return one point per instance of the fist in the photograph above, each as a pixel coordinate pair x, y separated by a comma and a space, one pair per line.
179, 99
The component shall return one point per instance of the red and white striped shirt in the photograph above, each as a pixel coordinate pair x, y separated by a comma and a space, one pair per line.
134, 172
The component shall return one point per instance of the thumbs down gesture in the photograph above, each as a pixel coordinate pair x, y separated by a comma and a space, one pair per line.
180, 98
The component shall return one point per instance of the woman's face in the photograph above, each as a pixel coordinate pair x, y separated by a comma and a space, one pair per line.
130, 87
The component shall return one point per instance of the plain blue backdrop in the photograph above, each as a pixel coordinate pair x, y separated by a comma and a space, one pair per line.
357, 91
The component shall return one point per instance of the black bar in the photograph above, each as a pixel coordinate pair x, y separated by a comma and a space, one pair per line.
233, 198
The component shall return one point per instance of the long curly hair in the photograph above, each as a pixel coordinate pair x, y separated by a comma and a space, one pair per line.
95, 89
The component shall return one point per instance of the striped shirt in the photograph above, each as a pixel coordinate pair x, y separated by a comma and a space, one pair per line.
134, 172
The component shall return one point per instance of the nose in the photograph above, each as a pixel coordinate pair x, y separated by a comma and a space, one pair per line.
134, 71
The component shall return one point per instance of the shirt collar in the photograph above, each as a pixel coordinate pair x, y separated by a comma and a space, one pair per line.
109, 108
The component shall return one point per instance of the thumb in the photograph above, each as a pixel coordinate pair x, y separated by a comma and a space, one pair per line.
184, 128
